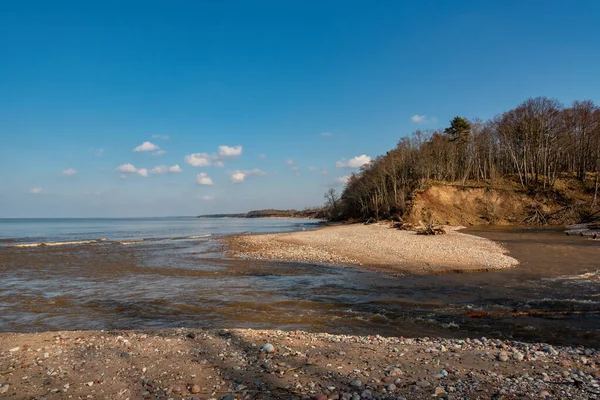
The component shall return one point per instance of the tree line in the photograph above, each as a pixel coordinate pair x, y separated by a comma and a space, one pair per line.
533, 145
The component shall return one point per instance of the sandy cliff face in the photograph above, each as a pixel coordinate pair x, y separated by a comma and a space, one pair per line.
457, 205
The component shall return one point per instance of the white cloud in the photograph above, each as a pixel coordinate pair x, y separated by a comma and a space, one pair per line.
354, 162
161, 137
159, 153
240, 176
292, 164
203, 179
35, 190
324, 171
163, 169
207, 197
263, 156
230, 152
198, 159
128, 168
96, 151
327, 134
69, 171
422, 119
146, 146
311, 168
342, 179
214, 159
131, 169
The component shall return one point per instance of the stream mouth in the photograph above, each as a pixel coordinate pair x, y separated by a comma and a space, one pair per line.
190, 283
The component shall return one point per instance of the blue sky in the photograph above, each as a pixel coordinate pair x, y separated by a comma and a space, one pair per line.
301, 86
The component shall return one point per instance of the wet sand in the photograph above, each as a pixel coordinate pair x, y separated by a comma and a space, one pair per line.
377, 247
252, 364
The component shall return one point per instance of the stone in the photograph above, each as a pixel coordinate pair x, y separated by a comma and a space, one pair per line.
229, 396
268, 348
395, 372
439, 391
366, 394
391, 387
195, 389
518, 356
544, 394
191, 335
423, 384
356, 384
321, 396
4, 388
503, 356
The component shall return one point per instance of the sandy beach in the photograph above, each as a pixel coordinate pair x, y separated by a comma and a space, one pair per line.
378, 247
252, 364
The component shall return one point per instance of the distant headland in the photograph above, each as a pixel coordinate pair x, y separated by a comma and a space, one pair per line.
313, 213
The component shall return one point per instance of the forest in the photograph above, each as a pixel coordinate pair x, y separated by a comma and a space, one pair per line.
528, 148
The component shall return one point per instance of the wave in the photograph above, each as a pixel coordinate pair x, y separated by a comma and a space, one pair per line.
190, 237
594, 275
100, 241
74, 242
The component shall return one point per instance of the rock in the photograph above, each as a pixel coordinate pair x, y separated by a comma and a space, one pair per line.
366, 394
321, 396
4, 388
423, 384
356, 384
518, 356
395, 372
503, 356
191, 335
391, 387
544, 394
439, 391
268, 348
14, 349
195, 389
229, 396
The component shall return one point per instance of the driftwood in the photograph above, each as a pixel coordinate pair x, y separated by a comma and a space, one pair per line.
592, 230
516, 313
403, 226
431, 229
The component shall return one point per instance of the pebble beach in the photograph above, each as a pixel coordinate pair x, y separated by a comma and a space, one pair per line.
188, 364
377, 247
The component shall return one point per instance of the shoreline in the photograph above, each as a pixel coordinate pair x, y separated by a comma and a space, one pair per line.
271, 364
376, 247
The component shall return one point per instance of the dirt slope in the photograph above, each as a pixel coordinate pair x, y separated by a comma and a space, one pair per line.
457, 205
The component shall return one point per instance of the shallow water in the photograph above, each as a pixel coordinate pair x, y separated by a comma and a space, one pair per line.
188, 282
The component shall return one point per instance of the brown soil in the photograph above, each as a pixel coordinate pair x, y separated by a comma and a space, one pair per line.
503, 205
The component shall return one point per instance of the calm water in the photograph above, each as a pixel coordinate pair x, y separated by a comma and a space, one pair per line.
178, 277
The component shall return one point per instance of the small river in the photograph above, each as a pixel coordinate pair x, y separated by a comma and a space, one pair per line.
178, 276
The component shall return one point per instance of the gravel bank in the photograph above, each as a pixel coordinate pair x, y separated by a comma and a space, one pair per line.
251, 364
377, 247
